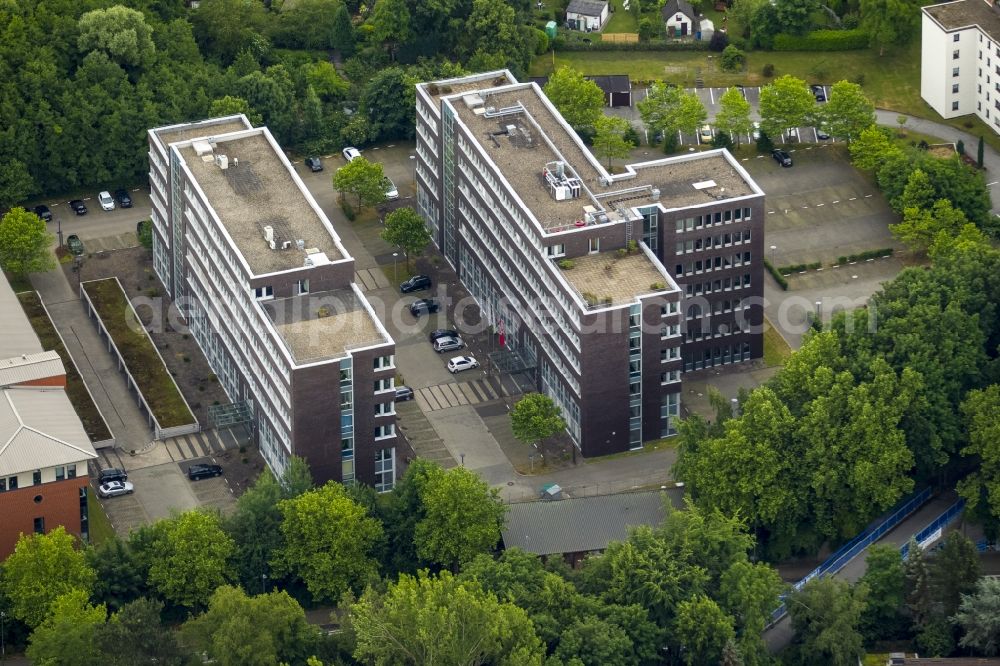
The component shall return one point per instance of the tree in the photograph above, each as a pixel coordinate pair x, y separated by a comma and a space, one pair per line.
703, 629
119, 32
825, 616
260, 630
364, 179
885, 578
120, 578
24, 243
388, 102
920, 227
889, 22
329, 541
462, 518
134, 636
255, 528
16, 183
42, 568
954, 570
229, 105
648, 29
848, 111
982, 486
536, 417
670, 109
402, 511
749, 593
732, 58
611, 138
226, 27
440, 619
390, 24
405, 228
784, 104
918, 193
190, 558
733, 117
343, 31
67, 636
795, 16
579, 100
979, 617
592, 641
873, 148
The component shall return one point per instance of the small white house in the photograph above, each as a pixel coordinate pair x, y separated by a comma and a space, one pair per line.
587, 15
680, 18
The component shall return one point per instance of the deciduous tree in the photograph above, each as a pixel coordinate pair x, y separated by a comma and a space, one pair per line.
579, 100
886, 580
889, 22
826, 614
388, 101
671, 109
733, 117
920, 227
190, 558
119, 32
848, 111
784, 104
611, 138
329, 541
536, 417
229, 105
24, 243
405, 228
703, 629
364, 179
872, 148
982, 486
67, 636
134, 636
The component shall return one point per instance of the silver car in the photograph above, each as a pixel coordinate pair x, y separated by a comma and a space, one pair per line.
114, 488
447, 344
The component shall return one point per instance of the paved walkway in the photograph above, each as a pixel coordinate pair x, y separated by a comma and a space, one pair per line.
991, 159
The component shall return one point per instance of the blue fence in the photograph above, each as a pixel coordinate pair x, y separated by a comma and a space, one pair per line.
938, 523
850, 550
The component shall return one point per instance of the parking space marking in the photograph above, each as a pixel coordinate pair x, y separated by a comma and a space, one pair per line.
867, 195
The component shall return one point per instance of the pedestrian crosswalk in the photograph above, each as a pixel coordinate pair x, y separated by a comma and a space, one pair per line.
200, 444
444, 396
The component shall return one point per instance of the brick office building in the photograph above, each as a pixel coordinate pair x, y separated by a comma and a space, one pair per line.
268, 290
44, 449
537, 228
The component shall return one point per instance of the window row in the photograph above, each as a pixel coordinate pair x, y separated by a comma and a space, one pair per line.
712, 264
696, 333
709, 242
712, 219
719, 355
725, 284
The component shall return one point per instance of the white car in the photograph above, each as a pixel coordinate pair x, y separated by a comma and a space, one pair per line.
460, 363
756, 130
705, 134
114, 488
106, 200
391, 193
351, 153
448, 343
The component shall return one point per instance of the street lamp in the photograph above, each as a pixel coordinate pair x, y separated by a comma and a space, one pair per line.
59, 230
263, 583
395, 277
773, 248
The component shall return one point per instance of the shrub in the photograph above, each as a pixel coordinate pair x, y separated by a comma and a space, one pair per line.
561, 44
566, 264
768, 70
823, 40
732, 59
722, 140
778, 277
348, 209
851, 21
960, 147
647, 29
866, 255
656, 286
719, 41
541, 42
764, 143
632, 136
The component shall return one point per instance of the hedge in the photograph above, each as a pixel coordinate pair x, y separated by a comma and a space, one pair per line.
778, 277
798, 268
560, 44
865, 256
823, 40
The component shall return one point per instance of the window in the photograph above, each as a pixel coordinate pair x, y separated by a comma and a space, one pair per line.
954, 106
384, 384
70, 471
302, 287
956, 37
555, 250
36, 477
954, 54
384, 362
12, 483
668, 308
263, 293
670, 331
954, 71
385, 470
595, 245
40, 525
60, 473
954, 87
384, 408
670, 376
386, 431
3, 485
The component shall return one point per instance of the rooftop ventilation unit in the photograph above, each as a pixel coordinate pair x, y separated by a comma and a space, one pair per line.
704, 184
222, 161
561, 186
473, 100
655, 194
202, 148
285, 245
316, 259
300, 244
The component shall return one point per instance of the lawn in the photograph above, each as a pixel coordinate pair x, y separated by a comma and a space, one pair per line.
100, 526
621, 20
141, 358
776, 350
76, 390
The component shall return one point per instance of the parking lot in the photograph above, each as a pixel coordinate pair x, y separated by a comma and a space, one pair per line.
100, 230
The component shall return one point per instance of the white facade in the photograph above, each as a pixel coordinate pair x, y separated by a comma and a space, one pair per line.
681, 24
960, 61
588, 22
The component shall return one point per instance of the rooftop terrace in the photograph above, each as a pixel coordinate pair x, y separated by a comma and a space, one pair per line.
540, 137
966, 13
255, 192
323, 324
608, 276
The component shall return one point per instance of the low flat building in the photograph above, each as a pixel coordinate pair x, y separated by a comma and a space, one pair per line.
268, 290
617, 88
44, 450
587, 15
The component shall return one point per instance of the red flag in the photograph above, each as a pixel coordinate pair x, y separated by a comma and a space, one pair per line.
500, 330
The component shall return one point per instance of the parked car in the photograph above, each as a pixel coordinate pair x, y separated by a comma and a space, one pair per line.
415, 283
74, 245
106, 200
403, 393
448, 343
705, 134
114, 488
818, 92
460, 363
822, 134
351, 153
756, 130
442, 333
315, 164
111, 474
200, 471
123, 198
78, 207
43, 212
391, 193
424, 305
781, 157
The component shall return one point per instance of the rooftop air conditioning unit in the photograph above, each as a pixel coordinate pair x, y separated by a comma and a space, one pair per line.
655, 193
222, 161
560, 192
202, 148
317, 259
286, 245
269, 234
300, 244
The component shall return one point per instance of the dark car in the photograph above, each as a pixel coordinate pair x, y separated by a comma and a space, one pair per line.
424, 306
74, 245
196, 472
404, 393
43, 212
442, 333
818, 92
111, 474
415, 283
314, 163
78, 207
822, 134
781, 157
123, 198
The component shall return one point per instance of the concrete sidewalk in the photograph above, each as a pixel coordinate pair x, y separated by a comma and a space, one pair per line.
97, 366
